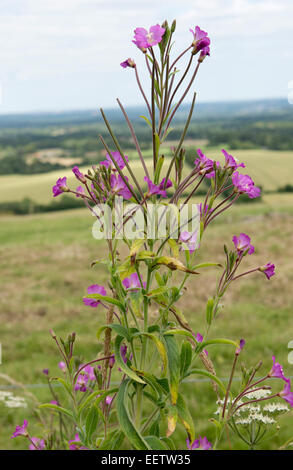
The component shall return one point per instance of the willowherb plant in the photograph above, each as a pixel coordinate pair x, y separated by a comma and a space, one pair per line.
148, 347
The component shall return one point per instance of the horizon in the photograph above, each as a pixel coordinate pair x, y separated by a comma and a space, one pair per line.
44, 112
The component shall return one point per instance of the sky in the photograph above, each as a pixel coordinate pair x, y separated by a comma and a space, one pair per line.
64, 54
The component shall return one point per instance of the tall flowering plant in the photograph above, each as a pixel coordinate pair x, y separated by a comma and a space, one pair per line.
131, 396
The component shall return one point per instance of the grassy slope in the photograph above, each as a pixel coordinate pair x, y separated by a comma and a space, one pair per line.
45, 270
270, 169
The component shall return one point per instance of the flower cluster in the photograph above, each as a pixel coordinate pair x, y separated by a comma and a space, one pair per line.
149, 348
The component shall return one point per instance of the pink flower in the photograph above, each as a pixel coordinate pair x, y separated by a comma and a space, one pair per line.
108, 400
118, 186
62, 366
240, 347
203, 53
94, 289
144, 39
60, 186
128, 63
80, 191
168, 184
154, 189
276, 370
38, 444
286, 392
203, 163
20, 430
244, 184
189, 240
123, 352
108, 163
133, 282
199, 339
231, 162
80, 176
268, 269
89, 371
200, 39
201, 443
81, 382
242, 243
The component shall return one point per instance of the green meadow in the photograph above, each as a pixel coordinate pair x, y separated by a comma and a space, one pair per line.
270, 169
45, 269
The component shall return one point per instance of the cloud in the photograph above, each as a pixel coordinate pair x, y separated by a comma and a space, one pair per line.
45, 41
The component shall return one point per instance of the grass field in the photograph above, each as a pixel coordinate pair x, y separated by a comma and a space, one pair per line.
45, 269
269, 169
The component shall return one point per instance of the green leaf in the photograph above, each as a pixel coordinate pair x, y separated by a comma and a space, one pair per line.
173, 264
91, 422
185, 357
66, 385
207, 265
105, 298
168, 441
181, 332
174, 247
218, 341
160, 347
136, 302
122, 364
60, 409
209, 311
127, 426
158, 291
171, 420
155, 443
147, 121
113, 441
93, 397
185, 417
173, 366
135, 247
119, 329
205, 373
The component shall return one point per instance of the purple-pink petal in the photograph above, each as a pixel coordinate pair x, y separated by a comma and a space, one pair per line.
268, 269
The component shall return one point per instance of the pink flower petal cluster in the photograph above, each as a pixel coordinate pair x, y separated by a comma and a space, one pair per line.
108, 163
157, 189
79, 175
20, 430
189, 240
268, 269
276, 370
118, 186
73, 446
145, 39
133, 282
60, 186
242, 244
80, 192
37, 444
94, 289
128, 63
200, 39
244, 184
201, 443
286, 392
230, 161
